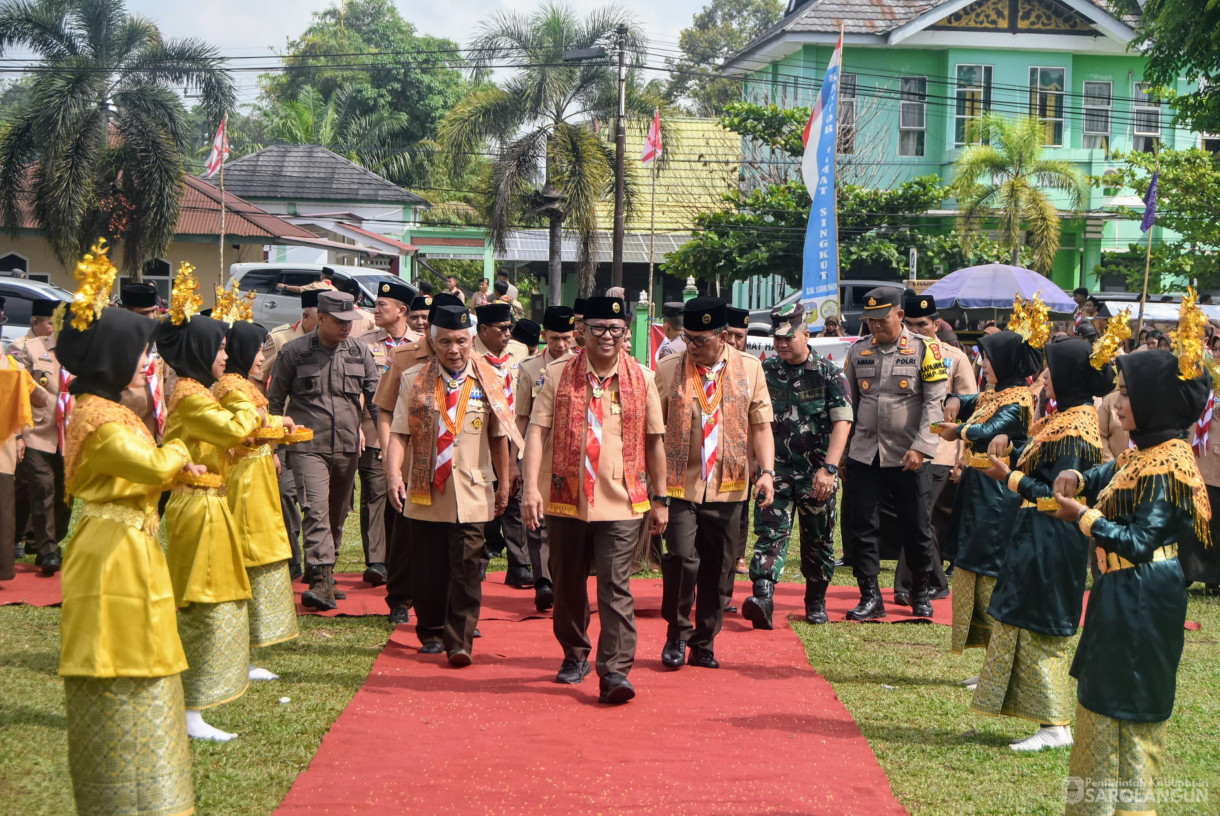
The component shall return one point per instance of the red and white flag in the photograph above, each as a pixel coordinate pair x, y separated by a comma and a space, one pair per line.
656, 336
652, 145
818, 130
220, 148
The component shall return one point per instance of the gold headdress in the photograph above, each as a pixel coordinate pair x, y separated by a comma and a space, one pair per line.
1188, 339
185, 300
95, 275
232, 306
1031, 319
1118, 331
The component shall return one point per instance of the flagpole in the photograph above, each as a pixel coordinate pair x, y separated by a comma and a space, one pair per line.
1139, 323
222, 220
834, 198
652, 236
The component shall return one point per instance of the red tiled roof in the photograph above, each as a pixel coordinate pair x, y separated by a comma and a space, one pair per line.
378, 236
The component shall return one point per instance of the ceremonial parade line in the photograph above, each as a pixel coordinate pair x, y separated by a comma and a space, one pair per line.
501, 737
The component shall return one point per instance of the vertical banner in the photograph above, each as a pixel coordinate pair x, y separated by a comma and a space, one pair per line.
820, 272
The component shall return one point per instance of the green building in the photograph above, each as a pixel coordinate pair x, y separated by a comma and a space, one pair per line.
916, 72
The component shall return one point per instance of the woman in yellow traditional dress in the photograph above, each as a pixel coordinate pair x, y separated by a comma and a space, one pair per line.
254, 497
120, 655
205, 557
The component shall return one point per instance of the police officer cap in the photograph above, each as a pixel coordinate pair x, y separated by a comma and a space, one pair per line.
916, 305
339, 305
444, 299
559, 319
138, 295
309, 298
739, 318
421, 303
879, 302
705, 313
494, 313
579, 307
605, 308
43, 307
449, 317
672, 309
398, 291
786, 320
527, 332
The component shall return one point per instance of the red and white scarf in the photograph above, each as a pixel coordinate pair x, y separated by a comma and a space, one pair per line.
500, 364
1203, 426
156, 395
63, 405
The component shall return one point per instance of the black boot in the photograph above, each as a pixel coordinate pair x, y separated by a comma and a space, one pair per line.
871, 606
815, 601
921, 595
759, 607
321, 592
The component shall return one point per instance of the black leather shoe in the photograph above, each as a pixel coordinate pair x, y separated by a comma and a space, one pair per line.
615, 689
431, 647
921, 604
459, 658
758, 607
51, 564
572, 672
376, 575
871, 607
729, 609
673, 656
519, 577
544, 595
902, 599
703, 658
400, 614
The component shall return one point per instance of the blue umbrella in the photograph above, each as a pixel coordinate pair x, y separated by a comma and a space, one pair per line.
994, 286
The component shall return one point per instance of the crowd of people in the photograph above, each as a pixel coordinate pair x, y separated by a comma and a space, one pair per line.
1018, 469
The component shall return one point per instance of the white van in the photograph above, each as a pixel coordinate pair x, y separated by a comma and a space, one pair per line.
275, 307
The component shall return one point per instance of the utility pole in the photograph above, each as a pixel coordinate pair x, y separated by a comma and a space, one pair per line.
620, 150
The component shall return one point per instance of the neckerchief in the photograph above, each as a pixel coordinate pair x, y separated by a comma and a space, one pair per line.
734, 409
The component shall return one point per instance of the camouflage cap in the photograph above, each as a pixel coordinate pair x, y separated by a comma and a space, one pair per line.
787, 320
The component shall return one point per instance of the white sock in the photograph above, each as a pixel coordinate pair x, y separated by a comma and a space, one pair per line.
196, 728
256, 674
1049, 736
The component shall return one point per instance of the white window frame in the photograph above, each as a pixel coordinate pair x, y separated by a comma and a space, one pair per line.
1141, 106
1039, 98
985, 101
919, 103
847, 113
25, 271
1091, 107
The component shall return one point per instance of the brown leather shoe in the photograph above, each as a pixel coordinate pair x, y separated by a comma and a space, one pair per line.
321, 592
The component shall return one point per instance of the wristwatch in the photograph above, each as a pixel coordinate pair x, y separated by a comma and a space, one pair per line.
661, 500
833, 470
769, 472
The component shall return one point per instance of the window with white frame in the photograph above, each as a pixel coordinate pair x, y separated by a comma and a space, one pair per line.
847, 113
1097, 102
973, 100
1046, 102
1147, 119
912, 115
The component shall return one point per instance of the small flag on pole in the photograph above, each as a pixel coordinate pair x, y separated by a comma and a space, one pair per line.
1150, 203
220, 148
652, 145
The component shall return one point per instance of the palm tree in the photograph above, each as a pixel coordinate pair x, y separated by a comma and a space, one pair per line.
1004, 177
550, 161
99, 148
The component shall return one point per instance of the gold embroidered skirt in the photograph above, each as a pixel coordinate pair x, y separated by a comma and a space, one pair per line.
273, 607
972, 626
1026, 675
127, 746
216, 639
1114, 765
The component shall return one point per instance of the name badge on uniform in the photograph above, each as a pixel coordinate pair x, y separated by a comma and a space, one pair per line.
476, 393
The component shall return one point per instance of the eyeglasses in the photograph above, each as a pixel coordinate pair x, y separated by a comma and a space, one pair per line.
601, 330
503, 328
698, 342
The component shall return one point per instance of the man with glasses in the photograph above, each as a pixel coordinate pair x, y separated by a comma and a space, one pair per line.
594, 434
714, 399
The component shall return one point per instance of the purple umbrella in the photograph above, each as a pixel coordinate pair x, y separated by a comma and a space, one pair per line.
993, 286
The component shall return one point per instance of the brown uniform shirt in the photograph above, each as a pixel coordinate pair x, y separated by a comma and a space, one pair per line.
532, 376
961, 381
469, 496
272, 345
759, 412
37, 355
402, 359
379, 344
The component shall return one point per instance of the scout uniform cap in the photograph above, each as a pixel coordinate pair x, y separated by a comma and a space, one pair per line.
527, 332
879, 302
443, 299
398, 291
579, 307
559, 319
786, 320
421, 303
138, 295
914, 305
339, 305
605, 308
450, 317
494, 313
739, 318
672, 309
309, 298
43, 307
705, 313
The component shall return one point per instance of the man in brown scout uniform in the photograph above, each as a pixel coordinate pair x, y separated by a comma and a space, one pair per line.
451, 427
714, 398
595, 439
735, 334
417, 317
559, 328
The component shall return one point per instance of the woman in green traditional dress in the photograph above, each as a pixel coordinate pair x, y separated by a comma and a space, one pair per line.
1039, 591
983, 511
1146, 502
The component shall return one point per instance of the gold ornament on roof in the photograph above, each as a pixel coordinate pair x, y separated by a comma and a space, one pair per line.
1118, 331
1189, 338
1031, 319
185, 300
95, 276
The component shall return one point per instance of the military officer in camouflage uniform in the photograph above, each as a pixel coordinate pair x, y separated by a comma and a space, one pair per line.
812, 423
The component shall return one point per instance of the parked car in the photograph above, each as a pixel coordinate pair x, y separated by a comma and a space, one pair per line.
19, 294
851, 305
275, 307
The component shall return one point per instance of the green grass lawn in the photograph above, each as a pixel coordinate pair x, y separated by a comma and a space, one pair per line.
898, 681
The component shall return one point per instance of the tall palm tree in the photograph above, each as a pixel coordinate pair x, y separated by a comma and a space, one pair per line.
99, 148
550, 160
1004, 177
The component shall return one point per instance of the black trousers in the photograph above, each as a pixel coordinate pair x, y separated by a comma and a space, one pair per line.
509, 531
939, 583
700, 549
448, 584
8, 530
398, 588
910, 492
375, 521
43, 475
539, 544
743, 538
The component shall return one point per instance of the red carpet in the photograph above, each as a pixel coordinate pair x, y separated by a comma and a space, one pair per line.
764, 734
31, 587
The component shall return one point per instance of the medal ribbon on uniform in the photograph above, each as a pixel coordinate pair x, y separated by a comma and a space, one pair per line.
63, 405
709, 405
1203, 426
154, 392
455, 399
593, 433
501, 366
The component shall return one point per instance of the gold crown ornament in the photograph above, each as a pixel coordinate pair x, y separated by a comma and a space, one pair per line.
95, 276
1118, 331
1189, 338
1031, 320
233, 306
185, 300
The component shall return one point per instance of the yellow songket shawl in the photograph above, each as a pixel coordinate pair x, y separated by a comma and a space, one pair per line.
1140, 474
1074, 430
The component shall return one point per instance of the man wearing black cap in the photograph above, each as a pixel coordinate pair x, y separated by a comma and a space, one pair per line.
898, 383
736, 334
716, 404
527, 333
148, 403
559, 330
141, 298
671, 314
42, 470
417, 316
322, 381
